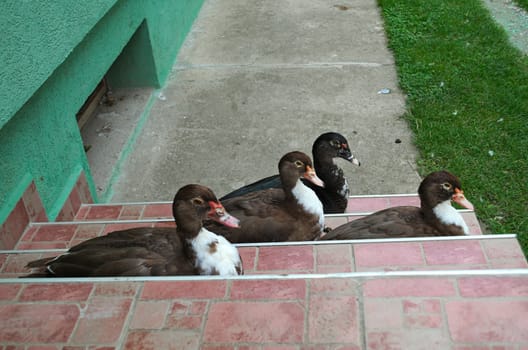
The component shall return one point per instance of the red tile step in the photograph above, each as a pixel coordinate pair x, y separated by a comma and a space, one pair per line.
469, 311
463, 293
441, 253
66, 234
125, 211
358, 206
163, 210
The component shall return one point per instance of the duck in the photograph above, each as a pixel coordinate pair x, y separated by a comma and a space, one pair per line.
334, 196
190, 249
292, 213
435, 216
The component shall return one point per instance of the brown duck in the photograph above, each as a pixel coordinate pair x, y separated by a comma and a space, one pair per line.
293, 213
435, 217
189, 249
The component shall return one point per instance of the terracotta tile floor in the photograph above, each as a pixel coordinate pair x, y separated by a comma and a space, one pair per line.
128, 211
476, 253
460, 294
446, 312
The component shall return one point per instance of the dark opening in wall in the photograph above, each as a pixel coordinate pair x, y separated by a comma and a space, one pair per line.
111, 113
89, 107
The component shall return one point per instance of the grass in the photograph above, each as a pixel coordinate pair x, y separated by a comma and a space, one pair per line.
522, 3
467, 103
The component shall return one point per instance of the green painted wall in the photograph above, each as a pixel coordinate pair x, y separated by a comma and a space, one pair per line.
36, 38
135, 66
53, 56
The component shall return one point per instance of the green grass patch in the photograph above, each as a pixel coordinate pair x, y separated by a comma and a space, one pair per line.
522, 3
467, 102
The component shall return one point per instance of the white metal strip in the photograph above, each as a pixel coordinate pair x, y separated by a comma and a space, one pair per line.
301, 243
363, 275
392, 195
380, 240
371, 212
106, 222
139, 221
124, 203
170, 202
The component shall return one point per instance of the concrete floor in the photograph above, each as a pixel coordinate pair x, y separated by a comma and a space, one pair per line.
109, 136
255, 80
513, 19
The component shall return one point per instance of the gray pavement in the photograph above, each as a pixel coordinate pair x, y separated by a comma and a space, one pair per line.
256, 79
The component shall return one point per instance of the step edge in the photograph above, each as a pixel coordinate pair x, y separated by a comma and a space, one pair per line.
330, 242
170, 202
357, 275
147, 220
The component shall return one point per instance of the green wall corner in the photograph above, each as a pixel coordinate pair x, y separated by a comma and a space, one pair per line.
54, 59
135, 66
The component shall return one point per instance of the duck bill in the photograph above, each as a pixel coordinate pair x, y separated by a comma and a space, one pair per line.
460, 199
311, 176
354, 160
345, 153
220, 215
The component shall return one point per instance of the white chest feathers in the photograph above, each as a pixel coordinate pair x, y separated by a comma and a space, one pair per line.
309, 201
450, 216
215, 255
345, 191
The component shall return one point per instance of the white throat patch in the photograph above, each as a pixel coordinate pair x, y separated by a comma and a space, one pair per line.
309, 201
223, 258
449, 215
344, 190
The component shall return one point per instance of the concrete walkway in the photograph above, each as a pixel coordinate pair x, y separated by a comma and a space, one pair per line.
256, 79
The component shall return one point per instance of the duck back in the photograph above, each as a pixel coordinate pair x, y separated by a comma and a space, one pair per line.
266, 216
389, 223
272, 181
134, 252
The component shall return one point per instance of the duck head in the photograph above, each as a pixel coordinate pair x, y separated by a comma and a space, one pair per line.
436, 192
296, 165
442, 186
333, 145
194, 203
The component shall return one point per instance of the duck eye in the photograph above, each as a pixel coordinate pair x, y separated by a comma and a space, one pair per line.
299, 164
197, 201
335, 144
446, 186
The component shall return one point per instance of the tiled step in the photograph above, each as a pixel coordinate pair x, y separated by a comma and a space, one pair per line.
67, 234
98, 220
460, 293
161, 210
358, 206
473, 310
446, 253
